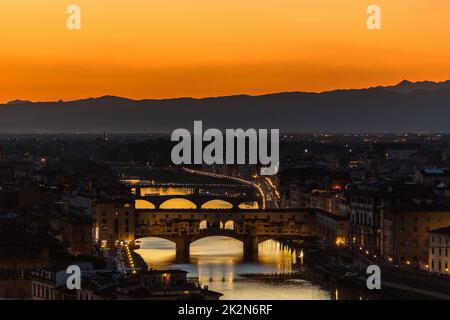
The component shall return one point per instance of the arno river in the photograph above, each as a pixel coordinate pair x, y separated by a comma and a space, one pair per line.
217, 263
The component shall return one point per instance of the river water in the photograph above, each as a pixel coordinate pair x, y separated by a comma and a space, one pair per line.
217, 262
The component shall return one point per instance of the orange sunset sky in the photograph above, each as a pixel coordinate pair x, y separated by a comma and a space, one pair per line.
173, 48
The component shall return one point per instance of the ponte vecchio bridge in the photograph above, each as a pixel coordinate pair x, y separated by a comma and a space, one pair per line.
187, 205
248, 226
194, 196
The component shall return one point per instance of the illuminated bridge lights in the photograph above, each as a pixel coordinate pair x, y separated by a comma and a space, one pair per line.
217, 175
130, 259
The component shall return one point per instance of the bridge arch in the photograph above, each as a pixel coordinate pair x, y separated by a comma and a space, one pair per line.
237, 240
217, 204
249, 205
229, 225
156, 250
204, 225
153, 239
143, 204
178, 203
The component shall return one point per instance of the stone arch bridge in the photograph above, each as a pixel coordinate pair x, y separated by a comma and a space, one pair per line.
195, 196
249, 226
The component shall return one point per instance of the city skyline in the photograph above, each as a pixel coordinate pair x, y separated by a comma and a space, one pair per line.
252, 152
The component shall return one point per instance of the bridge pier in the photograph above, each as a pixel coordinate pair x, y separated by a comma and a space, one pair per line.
183, 245
251, 249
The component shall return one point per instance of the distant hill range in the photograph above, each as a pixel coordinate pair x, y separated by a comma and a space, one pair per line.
405, 107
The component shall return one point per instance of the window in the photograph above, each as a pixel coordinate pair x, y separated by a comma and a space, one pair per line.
116, 226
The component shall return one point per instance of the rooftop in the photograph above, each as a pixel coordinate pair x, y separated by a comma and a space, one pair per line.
331, 215
168, 271
435, 172
445, 230
19, 238
411, 207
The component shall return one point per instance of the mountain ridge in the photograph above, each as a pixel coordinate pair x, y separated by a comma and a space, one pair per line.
407, 106
404, 86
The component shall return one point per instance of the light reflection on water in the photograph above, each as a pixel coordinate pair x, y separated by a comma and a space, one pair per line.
217, 262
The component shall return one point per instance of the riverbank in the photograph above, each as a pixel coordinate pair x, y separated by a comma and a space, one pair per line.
304, 272
349, 269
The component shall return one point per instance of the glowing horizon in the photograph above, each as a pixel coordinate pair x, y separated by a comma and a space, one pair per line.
156, 49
